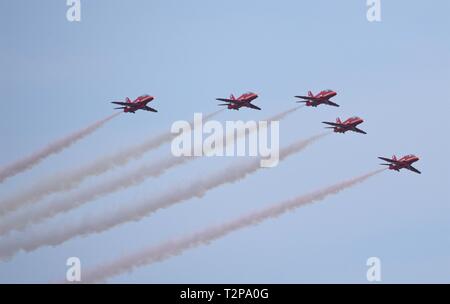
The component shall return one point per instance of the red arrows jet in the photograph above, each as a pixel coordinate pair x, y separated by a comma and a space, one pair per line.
403, 163
244, 100
322, 97
348, 125
139, 103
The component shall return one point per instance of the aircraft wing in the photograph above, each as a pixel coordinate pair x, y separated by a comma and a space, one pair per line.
411, 168
332, 123
389, 160
359, 130
332, 104
253, 106
228, 100
127, 104
147, 108
306, 97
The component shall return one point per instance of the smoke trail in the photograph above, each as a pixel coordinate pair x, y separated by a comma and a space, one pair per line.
36, 213
53, 148
65, 181
283, 114
134, 212
203, 237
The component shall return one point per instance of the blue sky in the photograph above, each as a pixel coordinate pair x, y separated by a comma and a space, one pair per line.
57, 77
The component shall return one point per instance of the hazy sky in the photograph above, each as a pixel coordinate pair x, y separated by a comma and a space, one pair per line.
57, 77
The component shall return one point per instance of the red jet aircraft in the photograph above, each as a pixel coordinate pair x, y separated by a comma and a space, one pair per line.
139, 103
244, 100
322, 97
348, 125
403, 163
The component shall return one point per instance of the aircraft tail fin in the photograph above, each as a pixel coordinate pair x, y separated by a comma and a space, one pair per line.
338, 120
310, 94
232, 97
127, 99
394, 157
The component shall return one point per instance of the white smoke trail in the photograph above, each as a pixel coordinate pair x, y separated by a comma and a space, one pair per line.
67, 180
203, 237
52, 148
33, 214
22, 218
283, 114
134, 212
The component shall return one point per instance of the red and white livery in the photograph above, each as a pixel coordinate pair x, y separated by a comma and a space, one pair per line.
348, 125
403, 163
139, 103
323, 97
244, 100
